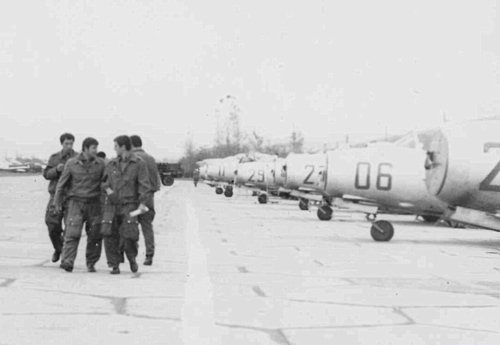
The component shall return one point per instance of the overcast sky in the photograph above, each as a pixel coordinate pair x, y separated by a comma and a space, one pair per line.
159, 68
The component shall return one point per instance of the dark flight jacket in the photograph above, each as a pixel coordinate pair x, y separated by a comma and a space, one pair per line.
154, 175
50, 172
80, 179
131, 184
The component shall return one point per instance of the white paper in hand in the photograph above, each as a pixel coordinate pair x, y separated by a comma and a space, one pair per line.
139, 211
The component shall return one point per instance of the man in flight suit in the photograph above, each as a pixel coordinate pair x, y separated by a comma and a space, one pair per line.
146, 219
81, 178
52, 172
127, 187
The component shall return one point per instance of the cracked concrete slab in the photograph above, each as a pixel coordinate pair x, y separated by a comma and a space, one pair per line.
277, 281
221, 291
282, 277
273, 314
101, 285
159, 307
20, 261
484, 319
393, 335
382, 297
246, 337
23, 301
85, 329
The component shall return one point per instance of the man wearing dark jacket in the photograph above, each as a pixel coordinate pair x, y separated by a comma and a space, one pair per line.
52, 172
81, 180
127, 187
146, 219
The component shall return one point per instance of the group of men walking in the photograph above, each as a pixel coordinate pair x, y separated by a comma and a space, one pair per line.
86, 189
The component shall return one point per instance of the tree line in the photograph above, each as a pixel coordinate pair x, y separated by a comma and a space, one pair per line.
230, 139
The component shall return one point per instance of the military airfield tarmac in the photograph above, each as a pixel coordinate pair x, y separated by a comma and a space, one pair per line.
233, 271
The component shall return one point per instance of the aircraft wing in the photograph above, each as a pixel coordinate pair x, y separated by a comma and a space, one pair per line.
305, 189
348, 197
399, 209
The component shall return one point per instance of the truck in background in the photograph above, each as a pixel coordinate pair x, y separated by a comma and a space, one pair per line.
168, 172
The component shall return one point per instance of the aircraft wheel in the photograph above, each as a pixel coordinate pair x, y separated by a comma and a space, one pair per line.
382, 230
431, 219
167, 180
262, 199
303, 204
325, 212
371, 217
218, 190
228, 192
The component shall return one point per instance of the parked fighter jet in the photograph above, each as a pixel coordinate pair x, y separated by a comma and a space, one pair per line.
16, 167
462, 170
304, 176
221, 173
369, 179
262, 177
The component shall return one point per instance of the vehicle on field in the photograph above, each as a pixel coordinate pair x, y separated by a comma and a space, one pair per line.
169, 171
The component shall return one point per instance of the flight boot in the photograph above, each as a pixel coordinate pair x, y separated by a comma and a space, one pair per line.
56, 256
149, 260
133, 266
66, 266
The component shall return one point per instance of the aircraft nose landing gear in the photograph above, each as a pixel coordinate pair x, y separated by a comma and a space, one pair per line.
228, 192
325, 212
304, 204
263, 199
218, 190
382, 231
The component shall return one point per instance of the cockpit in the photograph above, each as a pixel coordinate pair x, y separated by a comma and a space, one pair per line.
408, 140
417, 139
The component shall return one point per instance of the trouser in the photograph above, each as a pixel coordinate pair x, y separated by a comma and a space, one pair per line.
146, 221
124, 235
53, 220
80, 212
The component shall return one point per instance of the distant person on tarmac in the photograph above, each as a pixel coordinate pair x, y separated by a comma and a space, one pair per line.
127, 187
146, 219
81, 182
52, 172
196, 176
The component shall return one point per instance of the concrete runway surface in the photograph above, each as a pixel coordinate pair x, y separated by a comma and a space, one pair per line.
232, 271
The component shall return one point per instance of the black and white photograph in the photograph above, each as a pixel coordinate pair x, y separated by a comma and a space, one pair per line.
237, 173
